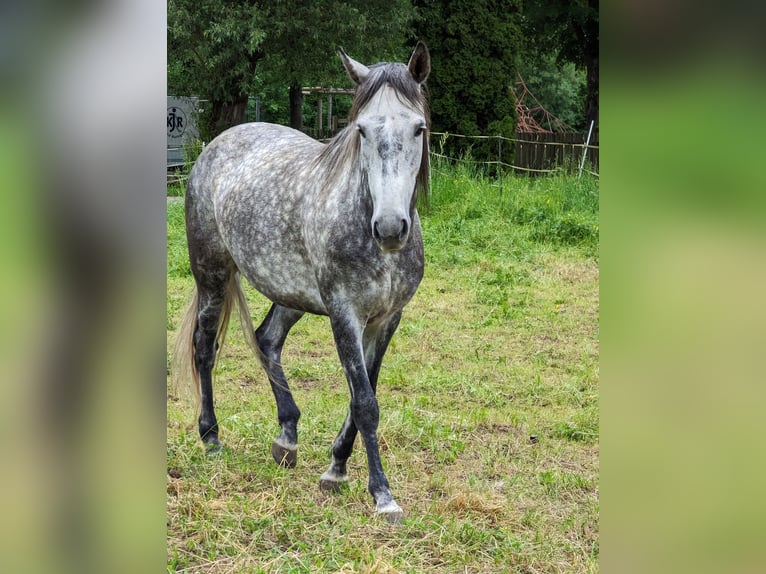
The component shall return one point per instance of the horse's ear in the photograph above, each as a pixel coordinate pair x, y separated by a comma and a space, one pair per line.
420, 63
356, 71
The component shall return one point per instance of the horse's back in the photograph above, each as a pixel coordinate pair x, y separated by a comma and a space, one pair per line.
248, 187
262, 148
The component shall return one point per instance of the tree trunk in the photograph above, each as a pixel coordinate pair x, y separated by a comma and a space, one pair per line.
296, 107
224, 115
590, 53
591, 97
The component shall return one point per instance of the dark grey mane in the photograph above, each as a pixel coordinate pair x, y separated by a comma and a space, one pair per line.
344, 147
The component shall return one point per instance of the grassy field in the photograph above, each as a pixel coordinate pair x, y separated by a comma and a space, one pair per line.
488, 398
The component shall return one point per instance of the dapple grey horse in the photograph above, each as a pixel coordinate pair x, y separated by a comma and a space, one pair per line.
327, 229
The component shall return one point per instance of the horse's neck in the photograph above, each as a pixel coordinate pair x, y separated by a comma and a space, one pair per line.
337, 182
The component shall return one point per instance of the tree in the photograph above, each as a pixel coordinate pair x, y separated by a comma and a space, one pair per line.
303, 38
569, 29
473, 44
214, 49
217, 48
558, 86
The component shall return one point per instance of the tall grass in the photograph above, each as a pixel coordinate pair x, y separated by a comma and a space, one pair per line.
177, 186
558, 210
489, 407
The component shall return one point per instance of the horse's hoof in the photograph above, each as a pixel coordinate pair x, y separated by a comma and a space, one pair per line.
394, 517
391, 512
283, 456
328, 485
332, 481
212, 446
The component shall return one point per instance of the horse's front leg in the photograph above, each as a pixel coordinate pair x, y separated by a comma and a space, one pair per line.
375, 340
364, 413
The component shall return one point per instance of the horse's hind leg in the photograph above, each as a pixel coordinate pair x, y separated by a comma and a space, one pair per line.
271, 337
210, 306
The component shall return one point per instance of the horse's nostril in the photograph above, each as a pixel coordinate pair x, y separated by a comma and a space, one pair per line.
391, 231
403, 232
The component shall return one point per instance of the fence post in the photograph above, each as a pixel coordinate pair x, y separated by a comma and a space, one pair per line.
430, 188
499, 161
585, 149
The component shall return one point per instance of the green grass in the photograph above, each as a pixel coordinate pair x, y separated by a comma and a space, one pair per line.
499, 344
176, 186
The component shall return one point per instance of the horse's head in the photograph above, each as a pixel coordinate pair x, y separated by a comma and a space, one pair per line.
390, 114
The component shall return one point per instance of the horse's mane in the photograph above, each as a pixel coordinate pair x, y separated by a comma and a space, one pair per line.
344, 147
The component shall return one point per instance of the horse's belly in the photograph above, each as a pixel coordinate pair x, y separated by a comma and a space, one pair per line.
287, 282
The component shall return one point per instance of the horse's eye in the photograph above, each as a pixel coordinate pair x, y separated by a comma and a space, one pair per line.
419, 130
360, 129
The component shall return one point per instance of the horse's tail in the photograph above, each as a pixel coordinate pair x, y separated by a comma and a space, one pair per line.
184, 368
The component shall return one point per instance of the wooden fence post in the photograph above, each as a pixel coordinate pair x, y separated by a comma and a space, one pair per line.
319, 118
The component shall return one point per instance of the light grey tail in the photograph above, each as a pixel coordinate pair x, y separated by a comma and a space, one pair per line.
184, 369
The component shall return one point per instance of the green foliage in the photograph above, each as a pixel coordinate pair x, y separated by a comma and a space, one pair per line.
301, 44
558, 86
568, 30
226, 51
214, 47
474, 46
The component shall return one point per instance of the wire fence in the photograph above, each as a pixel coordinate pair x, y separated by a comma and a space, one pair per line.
533, 154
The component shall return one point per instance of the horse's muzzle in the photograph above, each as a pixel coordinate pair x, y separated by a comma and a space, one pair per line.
390, 232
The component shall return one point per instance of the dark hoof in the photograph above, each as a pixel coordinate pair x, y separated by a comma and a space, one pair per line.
331, 485
284, 456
